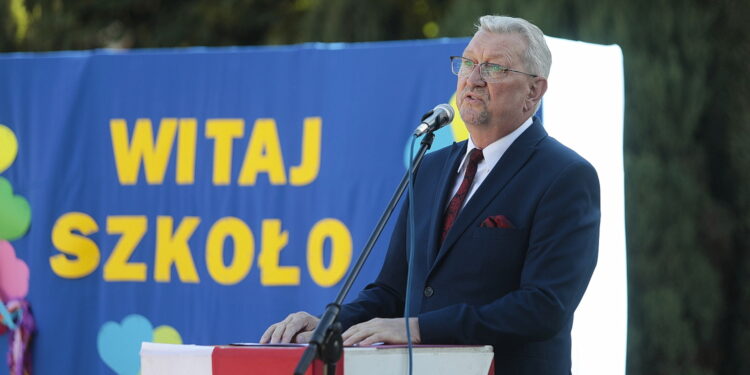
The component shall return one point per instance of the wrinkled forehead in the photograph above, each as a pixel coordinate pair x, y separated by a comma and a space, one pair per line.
503, 48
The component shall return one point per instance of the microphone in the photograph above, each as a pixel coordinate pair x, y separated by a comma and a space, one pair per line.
435, 119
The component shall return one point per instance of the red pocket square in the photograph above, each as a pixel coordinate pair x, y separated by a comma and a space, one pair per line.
497, 221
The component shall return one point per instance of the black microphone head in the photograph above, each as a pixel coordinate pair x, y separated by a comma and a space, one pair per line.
428, 114
444, 110
435, 119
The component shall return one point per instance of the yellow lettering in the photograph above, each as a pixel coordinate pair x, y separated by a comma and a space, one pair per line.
341, 251
172, 248
117, 267
244, 249
263, 155
84, 251
186, 151
223, 131
274, 240
128, 157
309, 167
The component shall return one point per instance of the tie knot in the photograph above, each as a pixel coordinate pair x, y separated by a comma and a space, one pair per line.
475, 156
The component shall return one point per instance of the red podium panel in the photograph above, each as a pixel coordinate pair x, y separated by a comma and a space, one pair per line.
228, 360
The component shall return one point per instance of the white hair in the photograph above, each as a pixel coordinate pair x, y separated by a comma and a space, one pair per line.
537, 57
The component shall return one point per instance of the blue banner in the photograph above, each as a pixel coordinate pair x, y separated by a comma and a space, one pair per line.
198, 195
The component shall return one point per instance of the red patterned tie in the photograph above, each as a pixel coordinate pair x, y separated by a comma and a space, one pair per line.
475, 156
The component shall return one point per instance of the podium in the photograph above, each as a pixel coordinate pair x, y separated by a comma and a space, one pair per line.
168, 359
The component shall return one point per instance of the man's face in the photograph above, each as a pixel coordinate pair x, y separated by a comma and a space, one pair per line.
501, 104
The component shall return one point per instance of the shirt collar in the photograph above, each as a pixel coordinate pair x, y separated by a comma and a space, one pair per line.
495, 150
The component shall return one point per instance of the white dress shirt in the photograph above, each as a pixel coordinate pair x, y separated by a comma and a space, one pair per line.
492, 154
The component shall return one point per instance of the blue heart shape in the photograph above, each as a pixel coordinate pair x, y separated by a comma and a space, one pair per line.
119, 345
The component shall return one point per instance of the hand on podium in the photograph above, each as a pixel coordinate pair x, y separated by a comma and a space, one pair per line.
388, 331
298, 328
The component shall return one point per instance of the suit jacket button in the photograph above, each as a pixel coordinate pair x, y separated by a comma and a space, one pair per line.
428, 292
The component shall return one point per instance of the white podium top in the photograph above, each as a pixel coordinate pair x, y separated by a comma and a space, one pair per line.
168, 359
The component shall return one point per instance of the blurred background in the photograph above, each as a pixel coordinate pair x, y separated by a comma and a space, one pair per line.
687, 127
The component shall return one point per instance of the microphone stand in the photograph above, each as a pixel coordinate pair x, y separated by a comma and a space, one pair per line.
326, 342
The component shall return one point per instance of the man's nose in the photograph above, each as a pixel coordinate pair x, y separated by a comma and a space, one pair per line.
475, 77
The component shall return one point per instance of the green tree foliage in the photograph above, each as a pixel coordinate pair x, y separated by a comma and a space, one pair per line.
7, 28
86, 24
687, 128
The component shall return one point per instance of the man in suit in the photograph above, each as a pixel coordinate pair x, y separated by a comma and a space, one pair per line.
508, 229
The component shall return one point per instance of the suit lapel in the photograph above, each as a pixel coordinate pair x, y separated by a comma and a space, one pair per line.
513, 159
445, 183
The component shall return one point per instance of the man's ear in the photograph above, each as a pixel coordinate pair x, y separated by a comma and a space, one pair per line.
537, 88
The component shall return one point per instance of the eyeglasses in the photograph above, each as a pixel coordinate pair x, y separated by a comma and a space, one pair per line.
489, 72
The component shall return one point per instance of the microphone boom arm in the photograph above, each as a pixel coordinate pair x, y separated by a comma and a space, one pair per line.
326, 340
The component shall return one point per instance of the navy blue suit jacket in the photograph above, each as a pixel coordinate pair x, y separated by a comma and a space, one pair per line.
513, 288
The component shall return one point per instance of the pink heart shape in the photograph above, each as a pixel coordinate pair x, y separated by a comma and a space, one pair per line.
14, 274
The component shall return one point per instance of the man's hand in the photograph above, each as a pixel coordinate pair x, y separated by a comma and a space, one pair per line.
296, 327
389, 331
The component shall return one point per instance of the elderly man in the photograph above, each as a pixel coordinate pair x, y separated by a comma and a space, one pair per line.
512, 229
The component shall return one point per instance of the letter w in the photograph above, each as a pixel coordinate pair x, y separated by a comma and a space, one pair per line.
128, 156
